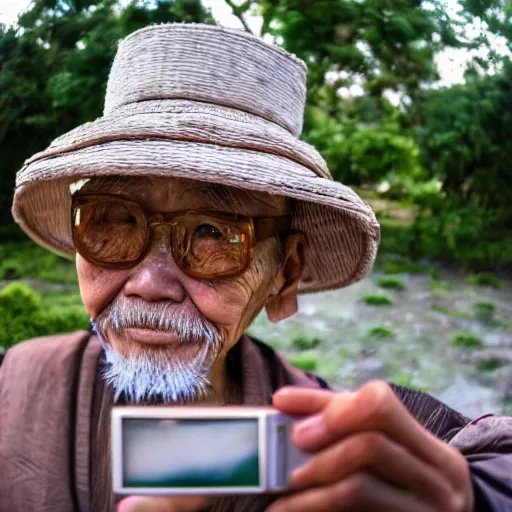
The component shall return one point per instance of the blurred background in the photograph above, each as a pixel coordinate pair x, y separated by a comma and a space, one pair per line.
409, 101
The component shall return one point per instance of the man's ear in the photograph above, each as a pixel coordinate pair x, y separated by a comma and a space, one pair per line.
284, 303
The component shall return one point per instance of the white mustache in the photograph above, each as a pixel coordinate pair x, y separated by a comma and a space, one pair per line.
161, 317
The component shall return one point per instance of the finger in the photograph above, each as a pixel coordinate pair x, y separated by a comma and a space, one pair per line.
164, 504
374, 407
372, 452
297, 401
357, 493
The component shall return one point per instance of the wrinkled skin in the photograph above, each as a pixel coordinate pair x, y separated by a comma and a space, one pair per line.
231, 304
367, 452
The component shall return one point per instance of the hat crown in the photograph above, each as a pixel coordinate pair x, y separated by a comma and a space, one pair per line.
210, 64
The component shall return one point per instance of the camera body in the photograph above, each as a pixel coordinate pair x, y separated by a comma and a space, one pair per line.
181, 450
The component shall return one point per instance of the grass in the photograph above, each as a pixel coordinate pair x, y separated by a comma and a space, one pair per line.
406, 380
484, 279
304, 342
377, 299
395, 264
434, 285
391, 282
306, 361
451, 312
484, 311
485, 306
381, 331
489, 365
466, 340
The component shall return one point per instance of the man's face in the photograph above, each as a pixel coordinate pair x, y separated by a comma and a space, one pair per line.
154, 318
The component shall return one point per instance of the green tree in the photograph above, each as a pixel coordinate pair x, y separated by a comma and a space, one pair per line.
54, 69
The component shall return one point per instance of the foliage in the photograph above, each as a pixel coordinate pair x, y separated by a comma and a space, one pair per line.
484, 311
485, 279
53, 71
381, 331
489, 365
466, 340
25, 316
485, 306
391, 264
306, 361
370, 109
391, 282
461, 134
377, 299
455, 313
304, 342
406, 380
26, 259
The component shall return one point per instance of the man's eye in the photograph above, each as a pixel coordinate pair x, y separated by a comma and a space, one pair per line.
207, 230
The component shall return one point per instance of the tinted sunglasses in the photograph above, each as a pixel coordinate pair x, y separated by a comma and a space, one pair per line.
113, 232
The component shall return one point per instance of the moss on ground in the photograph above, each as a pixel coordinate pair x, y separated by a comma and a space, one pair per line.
377, 299
466, 340
391, 282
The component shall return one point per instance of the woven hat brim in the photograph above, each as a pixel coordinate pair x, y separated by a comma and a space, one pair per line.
341, 230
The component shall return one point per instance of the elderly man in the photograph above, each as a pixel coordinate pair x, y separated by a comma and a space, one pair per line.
191, 206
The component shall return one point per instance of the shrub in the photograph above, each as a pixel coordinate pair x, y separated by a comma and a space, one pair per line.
25, 316
484, 279
305, 361
26, 259
304, 342
377, 299
485, 306
466, 340
489, 365
434, 273
380, 331
391, 282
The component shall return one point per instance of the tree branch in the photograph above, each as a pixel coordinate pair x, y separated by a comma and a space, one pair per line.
238, 12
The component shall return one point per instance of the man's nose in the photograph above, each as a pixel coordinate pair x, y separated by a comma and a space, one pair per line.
157, 277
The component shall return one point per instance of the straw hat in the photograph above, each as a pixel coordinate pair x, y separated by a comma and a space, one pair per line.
210, 104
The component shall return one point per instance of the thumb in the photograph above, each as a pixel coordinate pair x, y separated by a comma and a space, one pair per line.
164, 504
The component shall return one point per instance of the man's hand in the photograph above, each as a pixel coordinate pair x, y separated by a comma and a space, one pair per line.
369, 453
164, 504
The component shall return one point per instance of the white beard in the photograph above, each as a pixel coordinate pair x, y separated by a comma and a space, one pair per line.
148, 377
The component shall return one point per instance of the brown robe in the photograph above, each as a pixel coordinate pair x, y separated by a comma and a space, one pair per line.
55, 423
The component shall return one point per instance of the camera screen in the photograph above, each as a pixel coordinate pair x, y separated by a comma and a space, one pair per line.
190, 453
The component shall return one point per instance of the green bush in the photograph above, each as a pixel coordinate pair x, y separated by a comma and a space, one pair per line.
391, 282
485, 306
466, 340
489, 365
303, 342
377, 299
306, 361
455, 230
26, 259
380, 331
24, 316
484, 279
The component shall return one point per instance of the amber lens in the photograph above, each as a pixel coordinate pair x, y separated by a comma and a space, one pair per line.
109, 231
208, 247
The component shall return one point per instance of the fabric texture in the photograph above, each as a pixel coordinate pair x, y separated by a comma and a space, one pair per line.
215, 105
